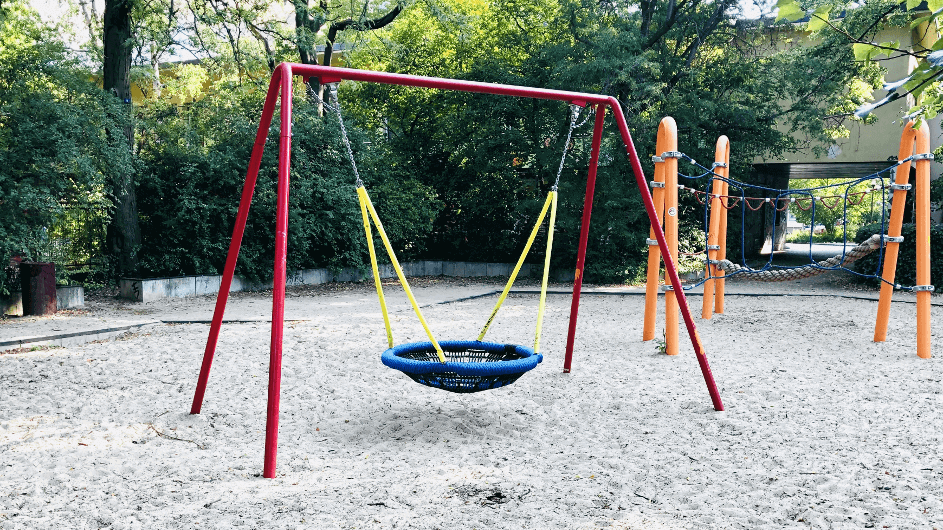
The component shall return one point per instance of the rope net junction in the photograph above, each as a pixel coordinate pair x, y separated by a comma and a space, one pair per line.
811, 198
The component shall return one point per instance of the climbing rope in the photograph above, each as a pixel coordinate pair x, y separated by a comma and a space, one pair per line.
806, 271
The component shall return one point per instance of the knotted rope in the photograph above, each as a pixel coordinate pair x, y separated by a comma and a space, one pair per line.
873, 243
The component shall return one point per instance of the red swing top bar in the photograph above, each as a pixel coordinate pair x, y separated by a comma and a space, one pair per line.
330, 74
281, 86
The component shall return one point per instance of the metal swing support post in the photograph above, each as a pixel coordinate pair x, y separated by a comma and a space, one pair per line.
280, 86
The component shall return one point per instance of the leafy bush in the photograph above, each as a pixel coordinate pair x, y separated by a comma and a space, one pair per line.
907, 256
194, 165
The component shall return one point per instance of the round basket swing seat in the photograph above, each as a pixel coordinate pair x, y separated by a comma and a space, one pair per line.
471, 366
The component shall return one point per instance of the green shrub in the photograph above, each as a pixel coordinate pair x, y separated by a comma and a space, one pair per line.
907, 256
61, 140
194, 165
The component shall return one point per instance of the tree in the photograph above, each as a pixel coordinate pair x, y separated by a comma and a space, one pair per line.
837, 205
61, 137
124, 232
684, 59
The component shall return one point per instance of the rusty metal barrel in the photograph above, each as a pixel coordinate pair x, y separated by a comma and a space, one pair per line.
39, 288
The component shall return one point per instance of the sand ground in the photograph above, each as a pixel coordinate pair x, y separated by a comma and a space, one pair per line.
823, 427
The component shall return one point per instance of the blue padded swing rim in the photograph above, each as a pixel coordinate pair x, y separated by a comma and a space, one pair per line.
392, 359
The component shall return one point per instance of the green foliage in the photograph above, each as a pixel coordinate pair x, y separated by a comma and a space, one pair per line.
803, 237
462, 176
194, 165
60, 135
492, 159
907, 257
839, 204
936, 194
857, 28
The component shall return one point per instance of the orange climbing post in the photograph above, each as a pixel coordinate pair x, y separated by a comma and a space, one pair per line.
718, 209
671, 235
667, 141
914, 146
722, 236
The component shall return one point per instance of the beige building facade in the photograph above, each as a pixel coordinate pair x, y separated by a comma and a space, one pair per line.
869, 148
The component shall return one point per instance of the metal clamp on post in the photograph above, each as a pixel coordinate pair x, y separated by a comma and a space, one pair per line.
713, 247
890, 239
922, 156
657, 159
719, 164
924, 288
901, 187
667, 287
651, 242
671, 154
656, 184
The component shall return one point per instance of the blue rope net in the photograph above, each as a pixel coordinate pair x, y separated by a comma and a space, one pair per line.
743, 195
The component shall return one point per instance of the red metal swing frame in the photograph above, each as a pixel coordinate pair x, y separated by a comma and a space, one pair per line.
281, 86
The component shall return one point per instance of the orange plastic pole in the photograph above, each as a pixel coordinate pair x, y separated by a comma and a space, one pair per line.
893, 231
722, 240
671, 236
721, 156
922, 208
666, 128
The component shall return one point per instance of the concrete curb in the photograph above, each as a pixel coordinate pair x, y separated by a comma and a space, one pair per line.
71, 339
67, 297
149, 289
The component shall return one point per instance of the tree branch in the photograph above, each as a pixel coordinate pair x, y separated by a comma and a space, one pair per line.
337, 27
854, 40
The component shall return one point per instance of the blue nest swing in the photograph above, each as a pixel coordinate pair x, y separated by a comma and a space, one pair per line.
471, 366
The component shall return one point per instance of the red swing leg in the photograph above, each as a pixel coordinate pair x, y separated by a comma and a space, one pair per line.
584, 235
278, 286
248, 189
670, 270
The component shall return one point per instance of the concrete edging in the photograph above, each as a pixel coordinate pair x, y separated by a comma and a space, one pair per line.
67, 297
149, 289
71, 339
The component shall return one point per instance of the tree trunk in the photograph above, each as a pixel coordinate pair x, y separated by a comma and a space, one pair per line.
155, 67
124, 232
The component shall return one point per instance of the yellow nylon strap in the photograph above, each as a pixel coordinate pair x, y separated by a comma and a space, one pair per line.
517, 269
376, 270
543, 285
399, 271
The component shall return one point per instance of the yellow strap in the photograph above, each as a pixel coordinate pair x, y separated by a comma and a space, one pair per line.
543, 286
520, 262
376, 270
399, 271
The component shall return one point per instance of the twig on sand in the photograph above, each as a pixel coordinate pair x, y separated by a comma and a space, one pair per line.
169, 437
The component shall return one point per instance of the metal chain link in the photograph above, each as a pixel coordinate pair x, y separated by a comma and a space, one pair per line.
574, 115
332, 87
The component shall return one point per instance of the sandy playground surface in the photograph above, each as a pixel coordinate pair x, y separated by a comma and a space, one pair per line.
823, 428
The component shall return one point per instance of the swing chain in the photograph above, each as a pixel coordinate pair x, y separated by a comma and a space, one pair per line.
574, 116
332, 88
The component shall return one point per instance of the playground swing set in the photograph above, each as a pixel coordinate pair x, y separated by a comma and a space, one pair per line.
458, 366
914, 148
